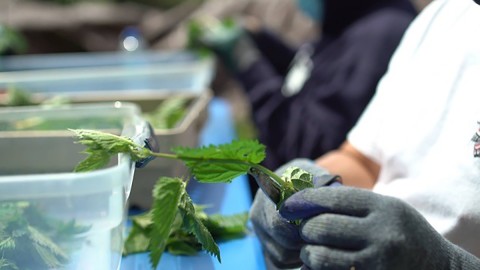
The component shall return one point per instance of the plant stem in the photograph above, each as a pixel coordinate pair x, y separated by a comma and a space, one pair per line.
277, 179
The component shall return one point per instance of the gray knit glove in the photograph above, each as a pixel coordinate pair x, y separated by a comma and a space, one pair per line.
281, 239
348, 228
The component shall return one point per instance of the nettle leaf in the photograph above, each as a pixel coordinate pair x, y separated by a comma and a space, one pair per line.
182, 247
193, 224
143, 220
67, 231
167, 194
227, 227
27, 232
173, 221
52, 255
8, 265
11, 212
6, 242
101, 146
138, 240
299, 178
221, 163
94, 161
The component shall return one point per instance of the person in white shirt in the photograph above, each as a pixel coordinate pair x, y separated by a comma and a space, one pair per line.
414, 143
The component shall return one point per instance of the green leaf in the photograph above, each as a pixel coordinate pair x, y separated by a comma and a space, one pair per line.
11, 39
6, 243
94, 161
167, 194
50, 252
138, 240
227, 227
194, 225
168, 113
11, 212
27, 232
66, 231
101, 146
143, 220
18, 97
221, 163
8, 265
299, 178
182, 247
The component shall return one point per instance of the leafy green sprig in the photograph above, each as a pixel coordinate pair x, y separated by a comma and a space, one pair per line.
173, 218
209, 164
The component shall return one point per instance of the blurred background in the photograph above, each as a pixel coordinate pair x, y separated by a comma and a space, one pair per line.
70, 26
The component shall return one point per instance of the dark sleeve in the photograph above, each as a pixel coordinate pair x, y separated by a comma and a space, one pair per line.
344, 78
274, 50
272, 64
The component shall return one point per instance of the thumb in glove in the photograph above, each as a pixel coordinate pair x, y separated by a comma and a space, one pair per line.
348, 228
280, 238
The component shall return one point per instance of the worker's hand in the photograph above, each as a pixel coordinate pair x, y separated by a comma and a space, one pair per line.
227, 39
280, 238
349, 228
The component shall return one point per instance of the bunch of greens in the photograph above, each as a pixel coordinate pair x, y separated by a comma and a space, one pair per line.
167, 115
20, 97
17, 97
172, 208
41, 123
26, 232
188, 224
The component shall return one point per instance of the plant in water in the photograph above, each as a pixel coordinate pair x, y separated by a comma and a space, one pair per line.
26, 232
173, 215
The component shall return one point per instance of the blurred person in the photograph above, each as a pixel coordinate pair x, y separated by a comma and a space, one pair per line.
416, 146
314, 94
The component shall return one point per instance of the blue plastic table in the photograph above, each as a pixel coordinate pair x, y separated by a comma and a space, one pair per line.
243, 253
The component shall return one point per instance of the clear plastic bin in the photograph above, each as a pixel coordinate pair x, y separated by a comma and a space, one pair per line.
113, 71
55, 218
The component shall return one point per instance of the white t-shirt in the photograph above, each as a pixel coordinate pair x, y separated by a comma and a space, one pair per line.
419, 125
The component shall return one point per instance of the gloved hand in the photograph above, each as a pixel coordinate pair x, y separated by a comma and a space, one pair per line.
227, 39
280, 238
348, 228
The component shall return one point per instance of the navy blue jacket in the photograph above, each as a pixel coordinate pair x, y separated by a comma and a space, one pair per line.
357, 40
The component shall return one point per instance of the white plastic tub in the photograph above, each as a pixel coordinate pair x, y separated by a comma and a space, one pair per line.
36, 173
